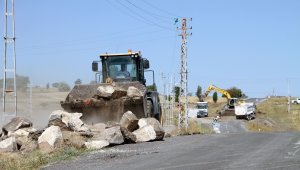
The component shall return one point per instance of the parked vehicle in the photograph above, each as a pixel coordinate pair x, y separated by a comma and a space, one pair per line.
297, 101
202, 109
246, 111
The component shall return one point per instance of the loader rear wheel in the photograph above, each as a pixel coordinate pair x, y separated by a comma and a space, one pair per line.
149, 108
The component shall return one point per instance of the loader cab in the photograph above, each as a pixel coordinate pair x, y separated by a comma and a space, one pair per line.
124, 67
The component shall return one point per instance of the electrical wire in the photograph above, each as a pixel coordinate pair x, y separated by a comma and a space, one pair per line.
161, 10
159, 17
144, 18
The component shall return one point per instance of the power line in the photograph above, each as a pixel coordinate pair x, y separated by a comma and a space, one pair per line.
161, 10
144, 18
159, 17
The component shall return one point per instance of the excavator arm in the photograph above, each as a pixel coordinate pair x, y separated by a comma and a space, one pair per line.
217, 89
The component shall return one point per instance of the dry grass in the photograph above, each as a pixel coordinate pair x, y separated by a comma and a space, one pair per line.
273, 116
35, 159
195, 128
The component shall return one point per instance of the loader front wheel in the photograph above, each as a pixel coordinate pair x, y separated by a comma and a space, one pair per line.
149, 108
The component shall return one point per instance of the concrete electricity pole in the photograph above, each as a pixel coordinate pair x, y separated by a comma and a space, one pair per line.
9, 70
183, 91
289, 97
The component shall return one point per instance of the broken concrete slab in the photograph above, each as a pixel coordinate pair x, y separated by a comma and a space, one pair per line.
145, 134
134, 92
129, 121
105, 91
129, 137
96, 144
56, 119
77, 125
111, 124
53, 136
8, 145
159, 130
73, 139
15, 124
114, 135
26, 144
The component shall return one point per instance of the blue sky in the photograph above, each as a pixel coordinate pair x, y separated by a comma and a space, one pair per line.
251, 44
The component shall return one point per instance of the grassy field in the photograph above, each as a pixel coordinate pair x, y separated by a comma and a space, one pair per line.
44, 101
36, 159
272, 116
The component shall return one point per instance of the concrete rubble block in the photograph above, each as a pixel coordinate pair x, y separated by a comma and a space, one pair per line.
34, 135
105, 91
145, 134
134, 92
15, 124
73, 139
26, 144
159, 130
77, 125
8, 145
129, 137
118, 93
129, 121
51, 136
98, 131
111, 124
45, 148
21, 132
114, 135
56, 119
96, 144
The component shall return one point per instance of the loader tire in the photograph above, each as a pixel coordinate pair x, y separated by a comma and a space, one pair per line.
149, 108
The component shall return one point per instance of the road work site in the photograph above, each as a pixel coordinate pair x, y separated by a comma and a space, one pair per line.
138, 85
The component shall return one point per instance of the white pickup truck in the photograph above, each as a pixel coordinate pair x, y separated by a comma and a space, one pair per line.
297, 101
245, 110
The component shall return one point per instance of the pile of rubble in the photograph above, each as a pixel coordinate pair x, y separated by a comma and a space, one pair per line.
68, 129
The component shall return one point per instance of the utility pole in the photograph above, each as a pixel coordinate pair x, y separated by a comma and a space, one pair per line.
289, 97
183, 91
9, 70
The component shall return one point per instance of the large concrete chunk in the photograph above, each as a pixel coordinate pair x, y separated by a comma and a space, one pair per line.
73, 139
52, 136
129, 137
129, 121
27, 144
105, 91
145, 134
77, 125
98, 144
159, 130
8, 145
134, 92
56, 119
15, 124
67, 121
114, 135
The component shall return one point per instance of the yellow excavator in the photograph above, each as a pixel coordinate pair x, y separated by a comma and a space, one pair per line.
228, 109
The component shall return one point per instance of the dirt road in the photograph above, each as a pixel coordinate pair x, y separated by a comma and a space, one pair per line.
228, 124
217, 151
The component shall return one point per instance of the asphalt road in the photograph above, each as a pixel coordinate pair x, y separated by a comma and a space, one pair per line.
217, 151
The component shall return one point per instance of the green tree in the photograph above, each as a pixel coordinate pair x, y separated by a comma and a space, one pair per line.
177, 93
199, 93
152, 87
235, 92
215, 97
55, 85
62, 87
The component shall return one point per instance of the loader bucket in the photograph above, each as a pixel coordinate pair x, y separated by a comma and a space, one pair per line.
83, 99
